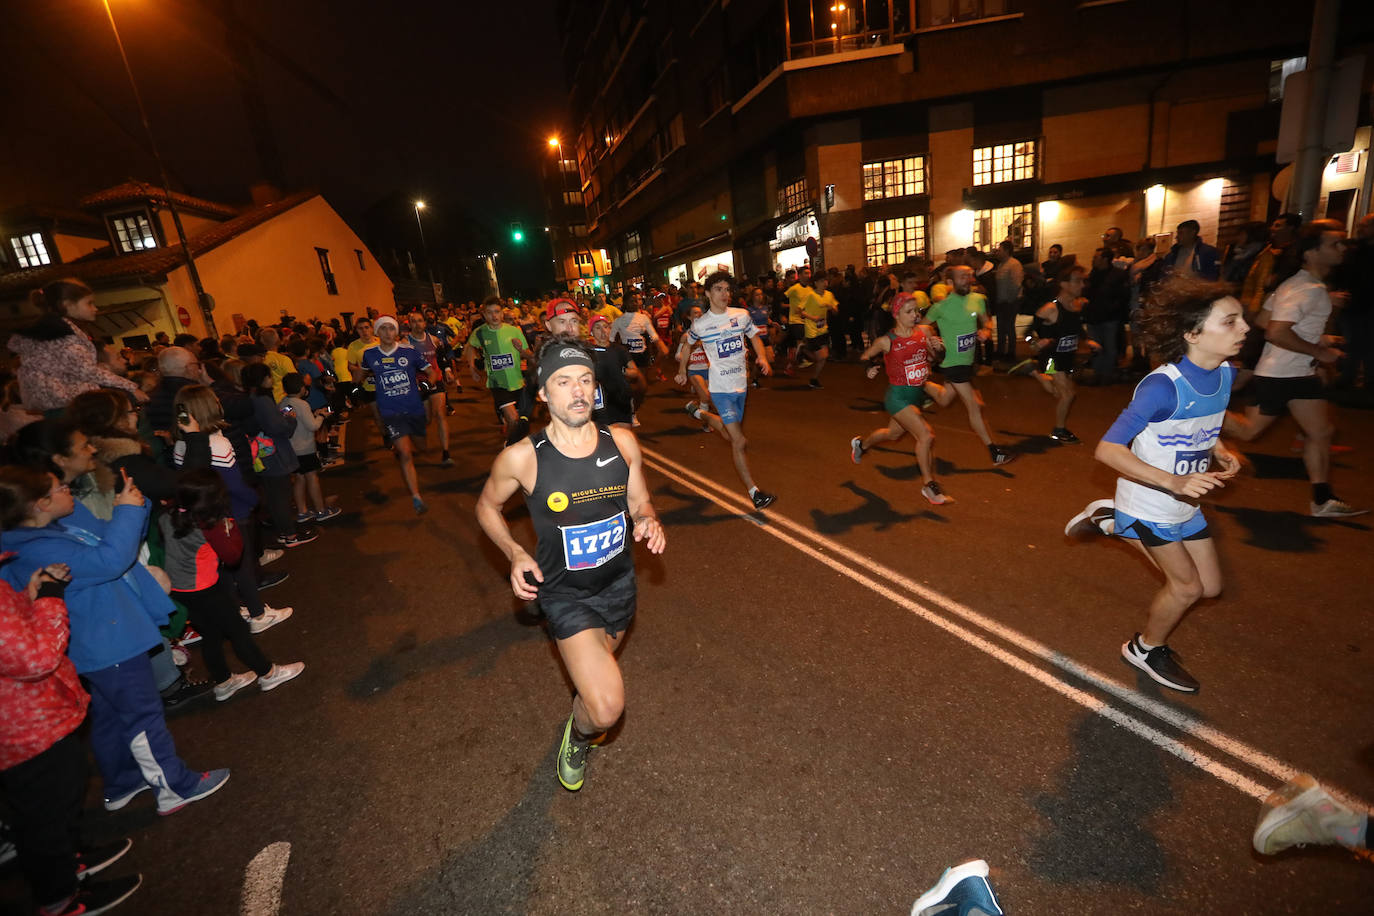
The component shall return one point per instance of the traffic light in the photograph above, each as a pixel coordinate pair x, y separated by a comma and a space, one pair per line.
596, 282
517, 232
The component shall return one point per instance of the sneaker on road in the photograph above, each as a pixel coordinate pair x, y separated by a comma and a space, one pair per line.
1160, 664
572, 759
95, 859
1065, 437
270, 555
419, 505
185, 690
935, 495
814, 384
189, 636
302, 536
325, 515
1334, 508
119, 801
303, 517
961, 891
693, 410
211, 781
97, 897
1300, 812
856, 449
1097, 517
271, 616
279, 675
763, 500
1001, 455
233, 684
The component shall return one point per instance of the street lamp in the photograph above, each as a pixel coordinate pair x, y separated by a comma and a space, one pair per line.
206, 303
424, 249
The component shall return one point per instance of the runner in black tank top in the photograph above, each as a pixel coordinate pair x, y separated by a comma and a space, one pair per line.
585, 489
1058, 327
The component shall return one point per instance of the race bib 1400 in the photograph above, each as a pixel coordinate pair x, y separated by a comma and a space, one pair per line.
499, 361
593, 544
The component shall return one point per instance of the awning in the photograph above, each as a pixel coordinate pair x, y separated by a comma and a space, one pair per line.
685, 252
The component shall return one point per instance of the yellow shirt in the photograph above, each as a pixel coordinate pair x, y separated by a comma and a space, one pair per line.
816, 313
608, 311
796, 296
281, 365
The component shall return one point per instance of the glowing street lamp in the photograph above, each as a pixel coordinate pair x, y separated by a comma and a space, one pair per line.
424, 248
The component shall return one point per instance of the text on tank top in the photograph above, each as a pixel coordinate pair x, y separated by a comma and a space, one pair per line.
907, 359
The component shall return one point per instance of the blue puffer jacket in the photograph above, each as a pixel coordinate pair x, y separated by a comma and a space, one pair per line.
114, 603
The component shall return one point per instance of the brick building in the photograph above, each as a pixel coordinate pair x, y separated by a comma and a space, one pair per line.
731, 132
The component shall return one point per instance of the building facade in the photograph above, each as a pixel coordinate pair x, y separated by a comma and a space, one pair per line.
294, 256
756, 135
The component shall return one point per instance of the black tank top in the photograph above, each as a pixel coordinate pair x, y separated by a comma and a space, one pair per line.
1064, 331
581, 517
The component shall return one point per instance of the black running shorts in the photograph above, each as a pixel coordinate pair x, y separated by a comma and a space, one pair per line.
957, 373
610, 609
1273, 394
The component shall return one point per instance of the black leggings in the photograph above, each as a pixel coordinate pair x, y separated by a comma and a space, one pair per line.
215, 614
247, 574
276, 491
45, 794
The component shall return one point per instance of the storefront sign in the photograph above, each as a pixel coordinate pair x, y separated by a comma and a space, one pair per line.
790, 235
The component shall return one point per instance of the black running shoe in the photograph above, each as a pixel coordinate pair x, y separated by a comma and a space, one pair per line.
814, 383
276, 577
96, 859
1000, 455
183, 691
1097, 517
1160, 664
94, 897
1062, 435
763, 500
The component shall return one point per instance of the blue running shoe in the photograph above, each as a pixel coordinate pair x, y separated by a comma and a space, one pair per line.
961, 891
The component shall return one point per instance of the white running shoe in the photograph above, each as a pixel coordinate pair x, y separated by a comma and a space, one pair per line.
271, 616
1097, 517
270, 555
235, 682
279, 675
1335, 508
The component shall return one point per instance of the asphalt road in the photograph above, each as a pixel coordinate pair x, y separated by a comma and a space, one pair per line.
827, 705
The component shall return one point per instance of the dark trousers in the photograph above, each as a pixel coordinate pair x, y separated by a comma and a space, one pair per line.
276, 492
45, 794
129, 736
247, 574
1104, 361
215, 614
1006, 330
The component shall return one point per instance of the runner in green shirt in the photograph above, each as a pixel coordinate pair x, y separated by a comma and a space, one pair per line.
502, 347
962, 318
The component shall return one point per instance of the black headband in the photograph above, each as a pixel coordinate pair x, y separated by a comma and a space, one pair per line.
560, 357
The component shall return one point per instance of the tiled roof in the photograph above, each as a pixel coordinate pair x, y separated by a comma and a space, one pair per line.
131, 191
103, 268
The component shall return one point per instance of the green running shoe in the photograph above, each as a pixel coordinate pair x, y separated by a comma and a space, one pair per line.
572, 759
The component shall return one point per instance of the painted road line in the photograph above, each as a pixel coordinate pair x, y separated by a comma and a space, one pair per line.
262, 881
1173, 717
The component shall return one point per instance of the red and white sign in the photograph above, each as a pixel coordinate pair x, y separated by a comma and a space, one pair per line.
183, 316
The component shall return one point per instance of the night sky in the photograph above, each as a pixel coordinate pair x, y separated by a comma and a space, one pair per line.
373, 103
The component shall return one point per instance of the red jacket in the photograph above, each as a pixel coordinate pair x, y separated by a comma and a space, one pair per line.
41, 699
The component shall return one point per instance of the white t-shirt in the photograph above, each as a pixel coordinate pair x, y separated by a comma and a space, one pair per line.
722, 337
1303, 300
635, 330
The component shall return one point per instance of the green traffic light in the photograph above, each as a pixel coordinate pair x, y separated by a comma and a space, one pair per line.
518, 236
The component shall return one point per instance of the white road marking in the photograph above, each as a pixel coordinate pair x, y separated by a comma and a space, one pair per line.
803, 539
263, 879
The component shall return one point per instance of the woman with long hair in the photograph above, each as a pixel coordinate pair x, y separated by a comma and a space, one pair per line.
58, 358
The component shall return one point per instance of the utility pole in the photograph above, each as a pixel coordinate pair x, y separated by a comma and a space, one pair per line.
1312, 153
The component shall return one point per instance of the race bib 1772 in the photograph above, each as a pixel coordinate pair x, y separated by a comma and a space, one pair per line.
499, 361
593, 544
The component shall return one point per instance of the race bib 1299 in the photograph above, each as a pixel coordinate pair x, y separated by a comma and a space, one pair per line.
593, 544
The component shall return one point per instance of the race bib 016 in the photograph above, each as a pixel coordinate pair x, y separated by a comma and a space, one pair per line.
499, 361
593, 544
965, 341
1190, 462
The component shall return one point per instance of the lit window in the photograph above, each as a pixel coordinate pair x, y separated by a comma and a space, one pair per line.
568, 166
895, 178
30, 250
892, 241
579, 230
572, 198
992, 227
582, 259
1004, 162
133, 232
631, 247
793, 197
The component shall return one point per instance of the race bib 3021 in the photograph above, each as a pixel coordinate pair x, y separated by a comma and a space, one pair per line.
499, 361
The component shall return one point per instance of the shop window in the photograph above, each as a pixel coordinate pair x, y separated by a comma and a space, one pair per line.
992, 227
1004, 162
793, 197
133, 232
892, 241
895, 178
329, 284
30, 250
